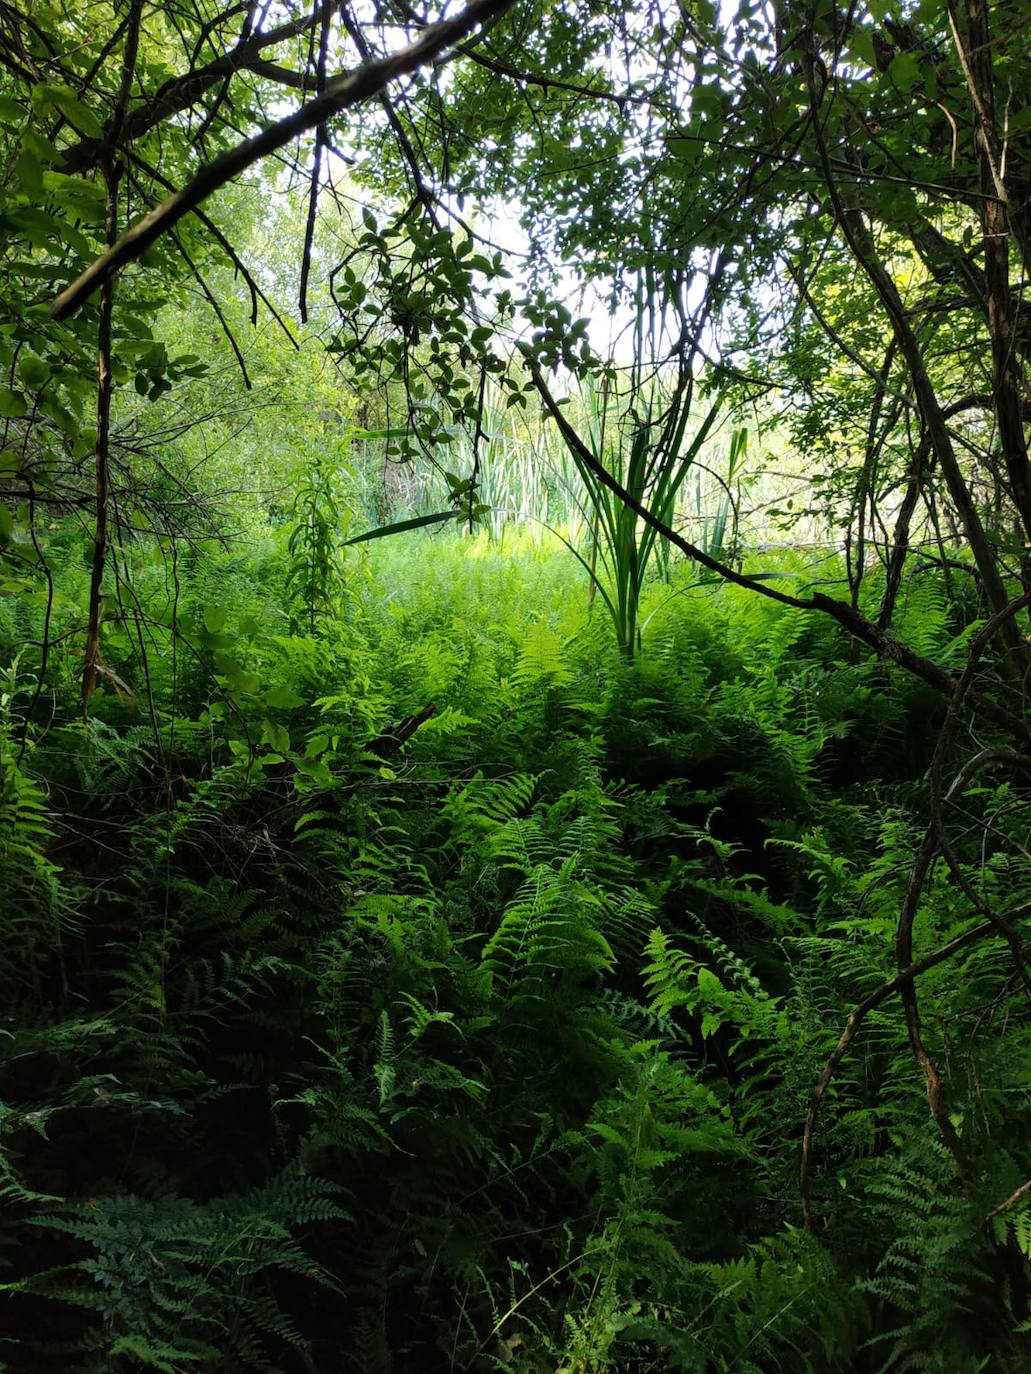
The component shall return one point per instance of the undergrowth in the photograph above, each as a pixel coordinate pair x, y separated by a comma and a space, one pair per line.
490, 1050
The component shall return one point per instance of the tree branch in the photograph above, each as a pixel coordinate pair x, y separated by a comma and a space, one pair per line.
885, 644
344, 92
180, 92
102, 461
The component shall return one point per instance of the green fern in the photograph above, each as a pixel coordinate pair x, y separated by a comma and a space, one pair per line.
38, 911
547, 936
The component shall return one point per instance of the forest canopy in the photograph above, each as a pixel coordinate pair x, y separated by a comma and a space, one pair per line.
515, 585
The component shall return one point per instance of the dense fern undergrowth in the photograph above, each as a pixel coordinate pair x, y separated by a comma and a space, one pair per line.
489, 1048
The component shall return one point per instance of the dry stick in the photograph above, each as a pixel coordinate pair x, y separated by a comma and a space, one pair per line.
349, 89
548, 83
249, 11
900, 539
933, 1086
960, 691
248, 8
606, 479
45, 641
875, 374
403, 141
937, 254
255, 291
282, 76
865, 488
104, 386
925, 857
883, 643
933, 843
855, 1020
976, 60
997, 223
914, 490
978, 644
104, 379
975, 764
1009, 933
219, 312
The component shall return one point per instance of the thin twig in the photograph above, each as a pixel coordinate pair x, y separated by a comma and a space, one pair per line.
1011, 1201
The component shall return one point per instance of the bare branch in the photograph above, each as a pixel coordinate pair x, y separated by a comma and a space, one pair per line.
1017, 1196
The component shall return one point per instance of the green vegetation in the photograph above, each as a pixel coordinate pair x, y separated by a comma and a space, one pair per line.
502, 1042
514, 844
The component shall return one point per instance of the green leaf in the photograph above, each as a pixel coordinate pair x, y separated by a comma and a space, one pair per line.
34, 146
66, 102
417, 523
708, 101
687, 152
708, 982
283, 698
29, 173
380, 433
10, 111
33, 371
861, 45
278, 736
905, 71
84, 199
12, 404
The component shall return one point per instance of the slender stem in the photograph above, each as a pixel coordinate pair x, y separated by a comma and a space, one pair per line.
112, 172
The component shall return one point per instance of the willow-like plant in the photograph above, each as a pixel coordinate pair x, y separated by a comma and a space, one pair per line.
318, 516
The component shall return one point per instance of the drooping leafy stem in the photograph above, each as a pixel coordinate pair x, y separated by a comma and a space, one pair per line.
317, 515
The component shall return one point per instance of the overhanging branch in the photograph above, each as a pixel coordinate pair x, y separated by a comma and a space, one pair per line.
883, 643
344, 92
180, 92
